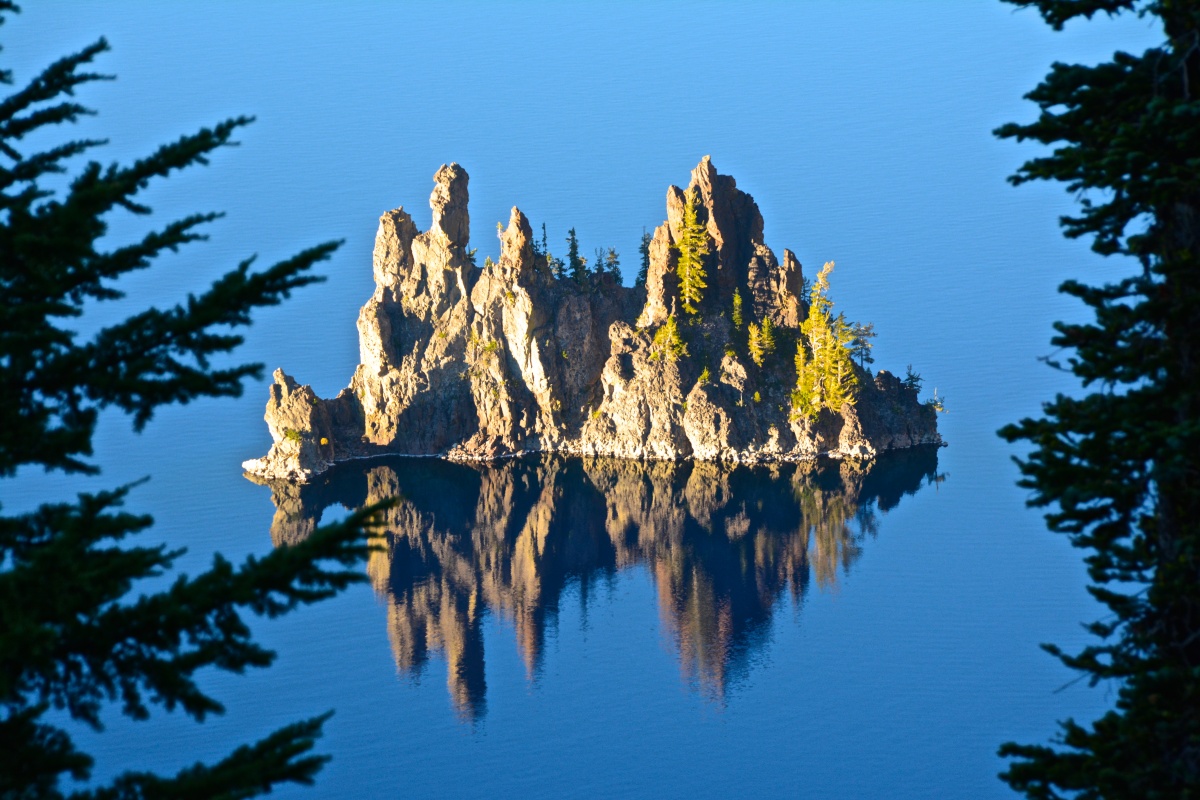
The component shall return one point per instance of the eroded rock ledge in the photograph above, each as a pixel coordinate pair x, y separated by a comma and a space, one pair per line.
478, 364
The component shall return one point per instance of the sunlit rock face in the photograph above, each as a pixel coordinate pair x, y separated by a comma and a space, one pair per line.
724, 545
479, 363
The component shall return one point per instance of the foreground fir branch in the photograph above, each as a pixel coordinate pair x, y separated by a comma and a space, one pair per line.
80, 650
1119, 467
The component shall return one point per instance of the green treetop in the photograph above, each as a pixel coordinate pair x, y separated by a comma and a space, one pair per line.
612, 264
861, 344
73, 636
825, 376
644, 266
754, 343
1118, 467
806, 397
692, 247
838, 367
667, 342
760, 340
576, 264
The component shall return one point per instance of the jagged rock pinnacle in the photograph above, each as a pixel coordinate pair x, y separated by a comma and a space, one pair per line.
473, 363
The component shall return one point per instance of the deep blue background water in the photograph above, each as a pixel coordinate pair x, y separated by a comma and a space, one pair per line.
862, 130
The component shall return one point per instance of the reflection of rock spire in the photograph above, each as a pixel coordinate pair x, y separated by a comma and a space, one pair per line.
723, 546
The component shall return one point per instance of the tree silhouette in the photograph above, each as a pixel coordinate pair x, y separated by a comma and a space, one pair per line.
644, 265
75, 651
860, 342
576, 264
1117, 467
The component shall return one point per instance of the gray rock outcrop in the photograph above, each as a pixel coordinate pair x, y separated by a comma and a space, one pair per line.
481, 363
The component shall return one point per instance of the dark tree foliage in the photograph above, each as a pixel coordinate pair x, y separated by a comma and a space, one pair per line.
644, 265
576, 264
1118, 467
81, 648
861, 344
612, 264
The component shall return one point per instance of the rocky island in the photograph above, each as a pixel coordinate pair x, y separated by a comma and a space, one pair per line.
721, 355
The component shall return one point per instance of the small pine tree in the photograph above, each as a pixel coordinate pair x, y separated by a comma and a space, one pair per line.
806, 397
537, 246
667, 342
761, 342
644, 251
692, 247
827, 379
612, 262
840, 378
860, 344
755, 343
912, 380
768, 336
737, 309
576, 264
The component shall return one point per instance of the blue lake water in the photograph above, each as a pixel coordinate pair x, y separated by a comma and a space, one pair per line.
724, 650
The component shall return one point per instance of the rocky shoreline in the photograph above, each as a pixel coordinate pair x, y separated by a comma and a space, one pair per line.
472, 363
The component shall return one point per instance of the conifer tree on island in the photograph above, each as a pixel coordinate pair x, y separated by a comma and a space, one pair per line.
612, 264
72, 638
1119, 467
760, 340
576, 264
860, 342
693, 247
644, 265
754, 343
825, 376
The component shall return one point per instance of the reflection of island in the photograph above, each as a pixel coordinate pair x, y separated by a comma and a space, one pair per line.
723, 544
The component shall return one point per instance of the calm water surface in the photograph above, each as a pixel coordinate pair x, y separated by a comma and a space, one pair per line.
556, 628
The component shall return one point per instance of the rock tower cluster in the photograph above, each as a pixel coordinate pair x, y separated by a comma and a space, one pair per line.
482, 363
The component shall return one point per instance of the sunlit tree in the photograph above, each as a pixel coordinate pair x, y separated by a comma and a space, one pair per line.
693, 248
761, 340
667, 342
754, 343
825, 376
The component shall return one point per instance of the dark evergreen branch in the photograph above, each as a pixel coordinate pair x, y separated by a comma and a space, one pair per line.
79, 648
283, 757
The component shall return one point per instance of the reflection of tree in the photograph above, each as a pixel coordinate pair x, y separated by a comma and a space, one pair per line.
722, 545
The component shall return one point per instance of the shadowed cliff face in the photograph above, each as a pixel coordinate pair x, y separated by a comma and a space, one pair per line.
724, 547
480, 363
